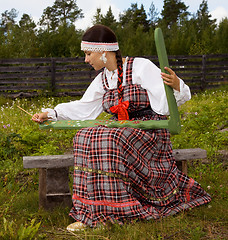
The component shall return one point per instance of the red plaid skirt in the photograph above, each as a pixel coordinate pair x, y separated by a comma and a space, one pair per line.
126, 173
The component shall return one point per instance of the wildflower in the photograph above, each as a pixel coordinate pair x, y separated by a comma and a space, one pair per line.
208, 187
4, 126
8, 125
196, 113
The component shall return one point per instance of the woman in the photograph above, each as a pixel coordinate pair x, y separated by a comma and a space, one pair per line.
124, 173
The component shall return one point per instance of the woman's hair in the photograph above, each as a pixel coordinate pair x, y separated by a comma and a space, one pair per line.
101, 33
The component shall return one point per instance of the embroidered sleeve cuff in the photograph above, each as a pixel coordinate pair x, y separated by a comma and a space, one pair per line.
52, 114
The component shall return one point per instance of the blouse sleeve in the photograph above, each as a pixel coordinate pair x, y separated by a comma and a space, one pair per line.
88, 107
184, 95
148, 75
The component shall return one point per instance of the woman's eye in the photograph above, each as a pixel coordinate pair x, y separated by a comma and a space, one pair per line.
88, 54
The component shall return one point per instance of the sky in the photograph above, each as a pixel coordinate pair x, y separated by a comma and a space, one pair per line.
34, 8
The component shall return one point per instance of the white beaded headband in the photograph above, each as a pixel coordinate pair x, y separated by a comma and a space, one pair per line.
99, 46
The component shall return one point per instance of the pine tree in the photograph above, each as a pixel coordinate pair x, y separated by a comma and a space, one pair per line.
108, 19
172, 10
154, 15
135, 16
63, 12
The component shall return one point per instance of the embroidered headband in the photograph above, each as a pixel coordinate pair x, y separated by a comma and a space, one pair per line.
99, 46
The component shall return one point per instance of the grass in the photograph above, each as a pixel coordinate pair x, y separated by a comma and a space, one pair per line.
204, 120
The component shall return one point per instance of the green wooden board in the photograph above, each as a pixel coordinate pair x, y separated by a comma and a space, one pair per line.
78, 124
173, 124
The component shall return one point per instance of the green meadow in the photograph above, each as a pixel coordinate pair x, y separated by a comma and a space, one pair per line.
204, 122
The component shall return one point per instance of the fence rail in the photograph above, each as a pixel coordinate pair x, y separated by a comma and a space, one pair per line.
71, 76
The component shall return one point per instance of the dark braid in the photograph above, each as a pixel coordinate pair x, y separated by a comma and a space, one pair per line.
120, 74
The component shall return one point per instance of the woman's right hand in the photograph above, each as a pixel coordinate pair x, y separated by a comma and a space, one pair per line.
40, 117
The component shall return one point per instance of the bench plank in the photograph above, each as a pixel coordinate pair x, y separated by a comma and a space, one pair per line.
67, 160
48, 161
189, 154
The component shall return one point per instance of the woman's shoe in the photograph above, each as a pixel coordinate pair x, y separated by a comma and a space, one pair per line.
76, 226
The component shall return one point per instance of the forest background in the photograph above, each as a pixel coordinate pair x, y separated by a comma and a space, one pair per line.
56, 34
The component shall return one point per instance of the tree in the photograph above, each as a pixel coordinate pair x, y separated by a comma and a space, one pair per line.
63, 12
135, 16
67, 11
7, 30
172, 10
203, 18
205, 30
153, 14
48, 19
138, 44
221, 37
25, 34
97, 18
8, 19
65, 42
107, 20
26, 23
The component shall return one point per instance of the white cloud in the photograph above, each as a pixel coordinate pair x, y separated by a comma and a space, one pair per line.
219, 13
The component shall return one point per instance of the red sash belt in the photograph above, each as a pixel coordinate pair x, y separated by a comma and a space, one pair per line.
121, 110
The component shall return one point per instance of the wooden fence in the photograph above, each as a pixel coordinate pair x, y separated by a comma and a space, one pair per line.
71, 76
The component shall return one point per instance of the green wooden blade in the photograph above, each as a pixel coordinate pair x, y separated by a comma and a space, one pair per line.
174, 121
76, 124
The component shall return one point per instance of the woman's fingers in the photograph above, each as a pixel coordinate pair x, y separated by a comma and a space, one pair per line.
39, 117
36, 118
171, 79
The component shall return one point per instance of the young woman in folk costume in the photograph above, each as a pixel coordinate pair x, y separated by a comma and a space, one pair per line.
124, 173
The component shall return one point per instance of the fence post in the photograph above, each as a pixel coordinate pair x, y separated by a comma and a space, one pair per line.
203, 78
53, 70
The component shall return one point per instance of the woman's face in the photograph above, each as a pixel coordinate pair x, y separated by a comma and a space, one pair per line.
93, 58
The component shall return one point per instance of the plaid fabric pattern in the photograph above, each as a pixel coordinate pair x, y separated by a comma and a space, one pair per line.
133, 93
126, 173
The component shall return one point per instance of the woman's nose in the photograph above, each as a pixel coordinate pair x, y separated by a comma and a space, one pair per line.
86, 59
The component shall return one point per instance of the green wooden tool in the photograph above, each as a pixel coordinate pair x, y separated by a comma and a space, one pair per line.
173, 124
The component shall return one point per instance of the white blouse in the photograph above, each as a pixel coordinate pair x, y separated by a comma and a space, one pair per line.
144, 73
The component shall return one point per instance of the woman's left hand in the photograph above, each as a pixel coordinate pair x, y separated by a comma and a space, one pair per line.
171, 79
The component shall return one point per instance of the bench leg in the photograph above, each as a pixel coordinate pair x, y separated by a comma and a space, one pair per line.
54, 188
184, 167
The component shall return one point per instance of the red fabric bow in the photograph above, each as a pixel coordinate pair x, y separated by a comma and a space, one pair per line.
121, 110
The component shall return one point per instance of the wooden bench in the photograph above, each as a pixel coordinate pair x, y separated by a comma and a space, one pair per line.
54, 174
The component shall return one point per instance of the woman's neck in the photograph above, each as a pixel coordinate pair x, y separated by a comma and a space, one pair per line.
111, 67
111, 63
